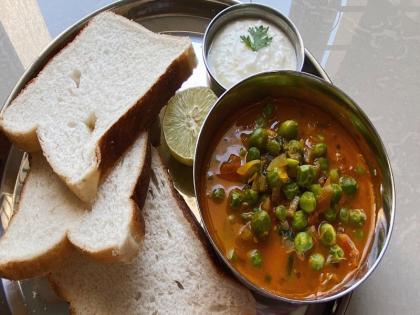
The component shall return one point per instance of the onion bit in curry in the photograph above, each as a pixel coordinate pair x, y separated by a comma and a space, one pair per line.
287, 190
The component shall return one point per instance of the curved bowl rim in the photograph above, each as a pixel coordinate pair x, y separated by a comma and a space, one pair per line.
339, 293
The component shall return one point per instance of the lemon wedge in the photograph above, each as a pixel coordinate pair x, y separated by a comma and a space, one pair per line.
182, 120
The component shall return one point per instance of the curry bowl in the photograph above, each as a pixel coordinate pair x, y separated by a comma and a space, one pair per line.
271, 261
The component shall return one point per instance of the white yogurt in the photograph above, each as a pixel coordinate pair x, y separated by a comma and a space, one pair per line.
230, 60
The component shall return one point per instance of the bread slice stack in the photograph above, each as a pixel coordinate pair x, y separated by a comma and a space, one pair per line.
173, 274
50, 220
89, 103
87, 217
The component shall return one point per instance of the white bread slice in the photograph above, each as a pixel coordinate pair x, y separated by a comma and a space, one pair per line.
50, 219
85, 107
173, 274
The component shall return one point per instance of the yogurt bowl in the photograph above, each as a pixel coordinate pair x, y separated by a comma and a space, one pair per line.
247, 39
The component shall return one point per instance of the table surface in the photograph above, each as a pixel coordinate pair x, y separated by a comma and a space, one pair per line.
369, 48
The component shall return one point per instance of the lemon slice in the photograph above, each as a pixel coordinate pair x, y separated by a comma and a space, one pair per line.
182, 121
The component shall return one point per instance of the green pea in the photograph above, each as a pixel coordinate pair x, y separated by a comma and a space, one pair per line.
273, 147
290, 190
357, 217
348, 185
336, 193
334, 175
258, 138
250, 196
260, 223
268, 110
280, 212
327, 234
255, 258
305, 175
307, 202
316, 189
299, 221
218, 195
253, 154
303, 242
344, 215
319, 149
316, 261
236, 197
273, 178
336, 254
288, 129
322, 163
294, 146
330, 214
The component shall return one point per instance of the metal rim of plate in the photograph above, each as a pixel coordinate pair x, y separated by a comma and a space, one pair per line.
187, 17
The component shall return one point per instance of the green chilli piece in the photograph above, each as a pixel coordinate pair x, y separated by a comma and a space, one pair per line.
348, 185
268, 110
280, 212
307, 202
236, 197
357, 217
273, 147
327, 234
260, 223
255, 258
253, 154
305, 175
218, 195
303, 242
258, 138
319, 149
290, 190
299, 221
316, 261
336, 254
288, 129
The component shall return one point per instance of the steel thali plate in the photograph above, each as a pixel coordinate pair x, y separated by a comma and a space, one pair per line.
175, 17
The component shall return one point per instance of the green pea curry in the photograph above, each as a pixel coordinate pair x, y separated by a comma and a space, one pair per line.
289, 198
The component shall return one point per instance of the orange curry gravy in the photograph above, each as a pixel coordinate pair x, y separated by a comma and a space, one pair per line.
282, 271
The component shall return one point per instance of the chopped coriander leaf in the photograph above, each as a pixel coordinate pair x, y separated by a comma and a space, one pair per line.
259, 38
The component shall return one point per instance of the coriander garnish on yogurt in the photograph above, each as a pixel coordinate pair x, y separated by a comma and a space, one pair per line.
247, 46
259, 37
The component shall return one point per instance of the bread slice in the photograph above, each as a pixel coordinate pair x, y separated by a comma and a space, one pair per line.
50, 220
173, 274
85, 107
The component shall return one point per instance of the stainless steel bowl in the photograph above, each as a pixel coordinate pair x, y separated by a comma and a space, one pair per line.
251, 10
320, 94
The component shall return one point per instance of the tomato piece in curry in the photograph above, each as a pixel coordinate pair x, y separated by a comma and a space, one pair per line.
289, 198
